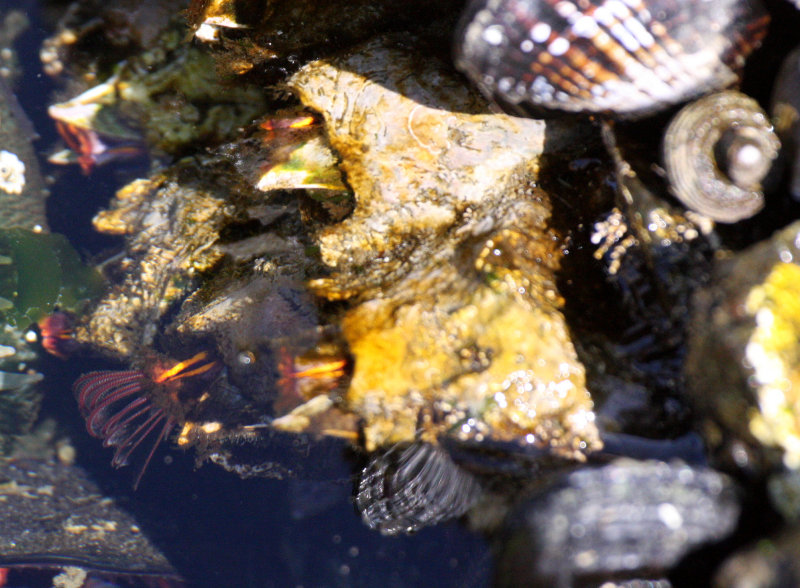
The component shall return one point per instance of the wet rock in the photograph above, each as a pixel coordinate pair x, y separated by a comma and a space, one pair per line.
743, 362
53, 515
447, 258
22, 189
174, 225
167, 98
285, 29
421, 152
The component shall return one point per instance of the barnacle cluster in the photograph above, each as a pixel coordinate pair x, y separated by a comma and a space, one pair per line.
340, 241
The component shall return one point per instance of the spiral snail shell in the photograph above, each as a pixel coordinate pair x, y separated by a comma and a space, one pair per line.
717, 150
629, 57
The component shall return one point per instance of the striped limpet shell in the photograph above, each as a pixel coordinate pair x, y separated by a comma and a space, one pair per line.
627, 57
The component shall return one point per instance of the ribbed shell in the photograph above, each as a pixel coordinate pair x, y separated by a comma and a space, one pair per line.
406, 489
717, 150
629, 57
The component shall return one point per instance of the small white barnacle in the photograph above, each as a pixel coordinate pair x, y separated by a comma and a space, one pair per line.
12, 173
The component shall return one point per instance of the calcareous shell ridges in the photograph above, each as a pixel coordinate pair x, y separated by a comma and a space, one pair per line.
626, 56
717, 150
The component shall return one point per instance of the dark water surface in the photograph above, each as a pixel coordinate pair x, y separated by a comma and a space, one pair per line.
216, 529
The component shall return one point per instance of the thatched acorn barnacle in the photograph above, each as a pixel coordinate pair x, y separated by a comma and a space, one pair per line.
626, 57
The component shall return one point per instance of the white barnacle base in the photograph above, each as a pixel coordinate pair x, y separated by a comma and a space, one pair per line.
12, 173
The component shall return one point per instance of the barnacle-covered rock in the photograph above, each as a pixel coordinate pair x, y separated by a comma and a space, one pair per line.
168, 98
175, 228
208, 308
281, 29
446, 268
416, 165
744, 359
22, 189
447, 258
173, 221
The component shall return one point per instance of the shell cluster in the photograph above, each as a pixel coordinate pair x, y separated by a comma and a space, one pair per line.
628, 57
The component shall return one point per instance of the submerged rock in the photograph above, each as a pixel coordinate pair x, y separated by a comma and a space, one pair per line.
447, 258
53, 516
626, 520
173, 222
166, 100
22, 188
285, 29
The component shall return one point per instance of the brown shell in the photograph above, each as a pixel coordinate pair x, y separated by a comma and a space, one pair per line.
629, 57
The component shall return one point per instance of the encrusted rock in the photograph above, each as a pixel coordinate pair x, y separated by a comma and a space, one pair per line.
455, 325
744, 352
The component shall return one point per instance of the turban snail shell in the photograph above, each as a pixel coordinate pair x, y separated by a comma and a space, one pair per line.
717, 151
629, 57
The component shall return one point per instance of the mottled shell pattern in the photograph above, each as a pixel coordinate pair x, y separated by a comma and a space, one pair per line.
717, 151
629, 57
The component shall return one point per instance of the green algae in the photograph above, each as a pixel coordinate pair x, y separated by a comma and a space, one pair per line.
40, 273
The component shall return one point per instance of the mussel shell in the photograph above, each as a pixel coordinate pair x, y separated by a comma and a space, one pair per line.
717, 151
629, 57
